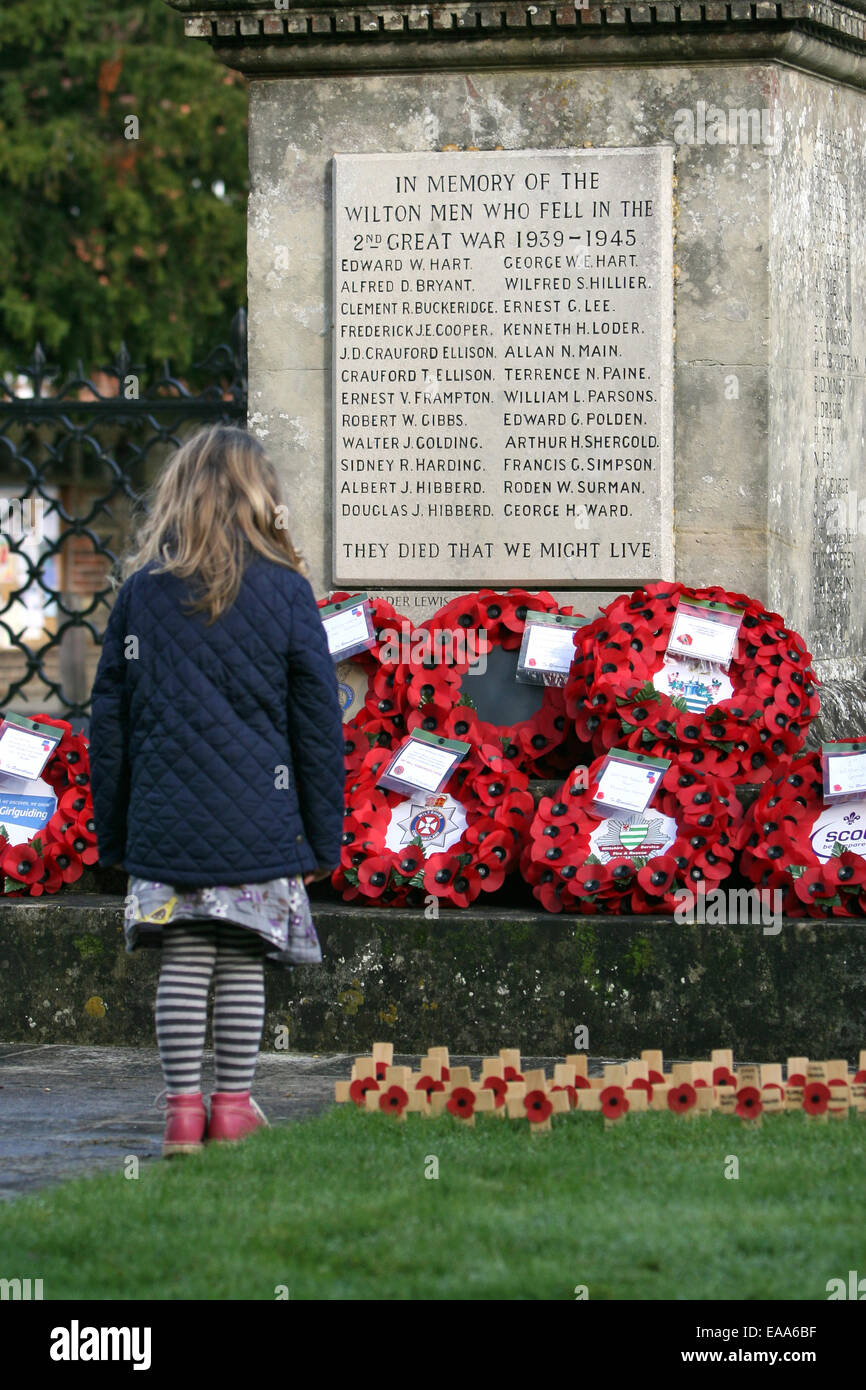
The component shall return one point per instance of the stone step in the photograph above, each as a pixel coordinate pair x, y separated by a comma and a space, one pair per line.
474, 980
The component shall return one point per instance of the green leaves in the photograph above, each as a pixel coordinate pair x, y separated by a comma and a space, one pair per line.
106, 237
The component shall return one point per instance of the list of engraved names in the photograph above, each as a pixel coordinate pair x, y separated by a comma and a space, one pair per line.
502, 367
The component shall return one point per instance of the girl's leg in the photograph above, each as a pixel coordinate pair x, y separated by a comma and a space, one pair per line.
188, 956
239, 1006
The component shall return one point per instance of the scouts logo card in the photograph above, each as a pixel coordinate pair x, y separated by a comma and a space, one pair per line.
842, 826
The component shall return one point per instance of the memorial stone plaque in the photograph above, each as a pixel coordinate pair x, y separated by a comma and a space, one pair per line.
502, 377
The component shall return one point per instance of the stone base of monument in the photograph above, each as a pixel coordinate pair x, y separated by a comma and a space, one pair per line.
843, 708
478, 979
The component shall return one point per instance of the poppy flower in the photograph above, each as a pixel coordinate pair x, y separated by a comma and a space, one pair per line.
63, 861
859, 1078
614, 1102
749, 1103
657, 875
466, 884
428, 1084
74, 800
587, 881
360, 1087
22, 863
82, 836
498, 1086
51, 880
798, 1079
373, 874
641, 1083
812, 886
682, 1097
409, 861
439, 872
394, 1099
461, 1102
572, 1094
537, 1106
655, 1077
723, 1077
512, 1074
516, 604
816, 1097
550, 892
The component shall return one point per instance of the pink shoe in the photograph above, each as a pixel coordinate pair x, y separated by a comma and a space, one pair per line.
233, 1115
185, 1125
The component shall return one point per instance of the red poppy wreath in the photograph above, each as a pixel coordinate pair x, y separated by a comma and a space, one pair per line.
742, 723
811, 852
454, 844
355, 673
57, 853
584, 859
431, 690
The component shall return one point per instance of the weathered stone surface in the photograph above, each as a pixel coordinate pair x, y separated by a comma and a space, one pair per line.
476, 980
314, 30
817, 415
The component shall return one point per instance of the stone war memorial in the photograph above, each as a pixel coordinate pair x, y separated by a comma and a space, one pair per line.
556, 338
556, 343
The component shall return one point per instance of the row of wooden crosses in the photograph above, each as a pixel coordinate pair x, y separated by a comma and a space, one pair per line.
823, 1090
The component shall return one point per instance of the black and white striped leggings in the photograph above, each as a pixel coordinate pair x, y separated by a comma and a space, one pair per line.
192, 953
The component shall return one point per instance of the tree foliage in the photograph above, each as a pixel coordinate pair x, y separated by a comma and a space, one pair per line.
105, 236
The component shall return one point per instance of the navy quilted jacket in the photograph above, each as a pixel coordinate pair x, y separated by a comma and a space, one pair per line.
216, 752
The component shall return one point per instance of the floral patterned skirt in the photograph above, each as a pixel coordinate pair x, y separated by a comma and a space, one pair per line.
278, 911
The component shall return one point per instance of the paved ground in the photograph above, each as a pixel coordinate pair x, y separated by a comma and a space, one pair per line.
67, 1111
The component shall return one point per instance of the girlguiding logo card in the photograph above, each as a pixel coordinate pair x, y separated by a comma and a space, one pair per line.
25, 807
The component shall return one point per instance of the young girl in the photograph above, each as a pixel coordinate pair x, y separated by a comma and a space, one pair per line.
216, 753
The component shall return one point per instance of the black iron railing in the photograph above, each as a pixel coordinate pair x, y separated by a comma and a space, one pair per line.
76, 457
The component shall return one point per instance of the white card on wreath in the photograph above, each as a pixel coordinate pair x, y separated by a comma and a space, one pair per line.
423, 763
706, 630
628, 781
844, 767
26, 746
348, 626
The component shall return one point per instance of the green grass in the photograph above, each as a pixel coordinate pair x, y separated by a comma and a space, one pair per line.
338, 1207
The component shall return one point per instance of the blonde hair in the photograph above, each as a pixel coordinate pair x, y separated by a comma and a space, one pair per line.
217, 500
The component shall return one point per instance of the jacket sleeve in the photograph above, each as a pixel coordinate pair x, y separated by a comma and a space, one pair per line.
109, 739
315, 729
